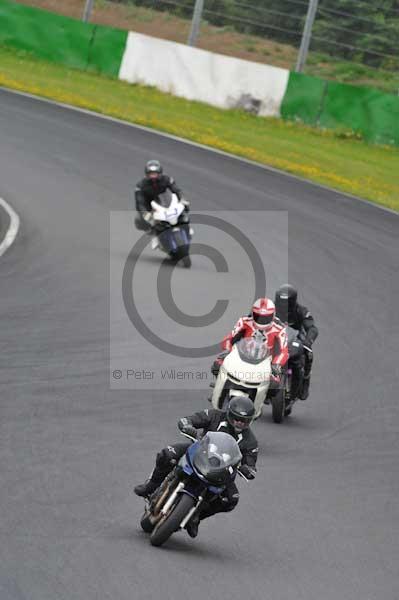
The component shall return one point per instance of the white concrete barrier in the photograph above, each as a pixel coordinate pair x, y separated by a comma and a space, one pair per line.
197, 74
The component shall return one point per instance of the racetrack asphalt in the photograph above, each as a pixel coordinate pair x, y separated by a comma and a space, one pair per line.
4, 223
320, 522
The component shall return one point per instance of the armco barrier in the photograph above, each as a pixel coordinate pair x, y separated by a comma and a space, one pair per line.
60, 39
369, 112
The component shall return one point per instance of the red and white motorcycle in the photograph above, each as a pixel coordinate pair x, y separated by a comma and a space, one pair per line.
246, 369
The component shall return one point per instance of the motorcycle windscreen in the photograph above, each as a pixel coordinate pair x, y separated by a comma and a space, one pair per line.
217, 457
253, 350
165, 199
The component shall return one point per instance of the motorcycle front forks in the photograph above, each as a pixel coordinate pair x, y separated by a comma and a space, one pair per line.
191, 512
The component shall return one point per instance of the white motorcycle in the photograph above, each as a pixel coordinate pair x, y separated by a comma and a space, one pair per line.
245, 370
172, 228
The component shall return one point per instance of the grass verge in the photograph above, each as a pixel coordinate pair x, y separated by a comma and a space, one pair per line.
349, 165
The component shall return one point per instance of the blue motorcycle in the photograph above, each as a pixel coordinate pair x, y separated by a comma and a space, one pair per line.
203, 472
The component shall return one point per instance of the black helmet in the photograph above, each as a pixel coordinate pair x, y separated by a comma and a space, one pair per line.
286, 301
240, 412
153, 167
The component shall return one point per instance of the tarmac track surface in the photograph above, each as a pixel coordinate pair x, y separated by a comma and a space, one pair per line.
320, 522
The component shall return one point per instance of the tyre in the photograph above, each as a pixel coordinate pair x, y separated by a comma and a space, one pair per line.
171, 522
186, 260
182, 255
145, 523
278, 406
182, 251
288, 404
223, 399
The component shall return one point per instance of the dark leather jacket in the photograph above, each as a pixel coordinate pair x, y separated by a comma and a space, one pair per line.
216, 420
301, 320
149, 189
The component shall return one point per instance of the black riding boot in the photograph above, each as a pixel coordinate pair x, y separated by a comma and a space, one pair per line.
148, 487
306, 377
305, 388
296, 382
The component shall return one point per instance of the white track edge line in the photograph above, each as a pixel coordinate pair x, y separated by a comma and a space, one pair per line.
170, 136
12, 229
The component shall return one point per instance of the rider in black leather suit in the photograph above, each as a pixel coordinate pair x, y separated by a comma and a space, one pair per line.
297, 316
235, 421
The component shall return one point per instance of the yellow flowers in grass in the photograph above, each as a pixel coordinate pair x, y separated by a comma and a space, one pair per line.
345, 164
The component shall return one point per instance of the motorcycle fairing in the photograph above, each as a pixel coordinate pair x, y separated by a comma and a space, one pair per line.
169, 214
186, 463
168, 239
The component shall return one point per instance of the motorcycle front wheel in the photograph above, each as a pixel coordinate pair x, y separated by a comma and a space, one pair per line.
182, 256
278, 406
171, 522
145, 523
186, 260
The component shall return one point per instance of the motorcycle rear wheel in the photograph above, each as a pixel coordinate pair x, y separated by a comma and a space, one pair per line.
278, 406
171, 522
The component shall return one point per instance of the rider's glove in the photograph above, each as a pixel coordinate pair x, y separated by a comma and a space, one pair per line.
248, 472
186, 427
277, 372
307, 342
185, 203
147, 216
191, 431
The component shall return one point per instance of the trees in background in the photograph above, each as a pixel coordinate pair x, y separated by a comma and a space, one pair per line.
365, 31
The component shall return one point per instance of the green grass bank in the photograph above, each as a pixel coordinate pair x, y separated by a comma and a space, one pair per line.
333, 158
